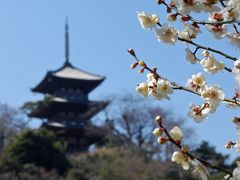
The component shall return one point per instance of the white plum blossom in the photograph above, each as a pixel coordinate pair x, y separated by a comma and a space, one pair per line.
211, 65
186, 6
162, 89
210, 5
150, 77
237, 146
147, 21
234, 4
181, 159
236, 174
213, 95
167, 34
198, 113
218, 31
142, 88
199, 170
190, 57
176, 134
189, 32
236, 68
233, 38
184, 35
192, 30
197, 82
230, 13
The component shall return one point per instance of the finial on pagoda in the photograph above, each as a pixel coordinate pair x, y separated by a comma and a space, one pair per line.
66, 44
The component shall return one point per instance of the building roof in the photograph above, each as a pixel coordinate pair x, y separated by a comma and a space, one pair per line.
70, 77
68, 71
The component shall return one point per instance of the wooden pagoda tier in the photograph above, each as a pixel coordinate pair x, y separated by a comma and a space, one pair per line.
66, 78
61, 108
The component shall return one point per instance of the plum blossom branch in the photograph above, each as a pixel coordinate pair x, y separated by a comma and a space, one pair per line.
208, 48
186, 150
195, 22
175, 85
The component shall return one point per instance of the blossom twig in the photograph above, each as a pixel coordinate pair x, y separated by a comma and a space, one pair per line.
175, 85
191, 156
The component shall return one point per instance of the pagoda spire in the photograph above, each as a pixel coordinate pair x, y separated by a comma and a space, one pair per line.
66, 44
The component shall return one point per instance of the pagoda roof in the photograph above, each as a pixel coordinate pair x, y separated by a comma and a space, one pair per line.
71, 72
70, 77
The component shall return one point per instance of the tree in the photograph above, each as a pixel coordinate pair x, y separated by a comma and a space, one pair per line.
119, 163
38, 147
208, 152
129, 123
11, 122
222, 22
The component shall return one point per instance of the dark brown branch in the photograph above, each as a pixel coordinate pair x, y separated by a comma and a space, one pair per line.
209, 49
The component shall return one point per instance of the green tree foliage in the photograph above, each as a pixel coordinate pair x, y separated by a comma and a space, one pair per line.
122, 164
207, 152
37, 147
31, 172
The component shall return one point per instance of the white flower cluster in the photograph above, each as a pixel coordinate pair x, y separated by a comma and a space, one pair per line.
212, 96
176, 134
228, 13
187, 6
160, 89
210, 64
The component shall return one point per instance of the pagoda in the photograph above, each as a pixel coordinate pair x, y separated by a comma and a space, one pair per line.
66, 109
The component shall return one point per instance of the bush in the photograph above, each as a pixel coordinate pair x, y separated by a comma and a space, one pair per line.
37, 147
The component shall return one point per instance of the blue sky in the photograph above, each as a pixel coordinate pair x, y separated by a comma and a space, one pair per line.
32, 42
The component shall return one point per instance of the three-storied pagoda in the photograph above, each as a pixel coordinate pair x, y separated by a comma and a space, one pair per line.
66, 109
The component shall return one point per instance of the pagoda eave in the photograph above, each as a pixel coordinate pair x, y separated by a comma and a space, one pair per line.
51, 83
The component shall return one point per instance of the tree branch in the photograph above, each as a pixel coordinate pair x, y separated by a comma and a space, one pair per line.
205, 163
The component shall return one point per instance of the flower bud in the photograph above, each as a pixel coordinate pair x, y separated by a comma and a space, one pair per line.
141, 70
160, 1
162, 140
205, 53
134, 65
229, 145
172, 17
132, 52
157, 132
142, 63
185, 18
172, 4
185, 148
169, 10
236, 120
176, 134
158, 119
